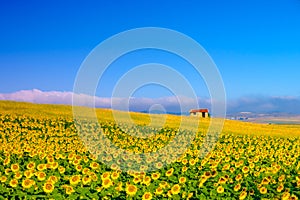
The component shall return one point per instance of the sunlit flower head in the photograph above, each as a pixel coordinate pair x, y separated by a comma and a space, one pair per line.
220, 189
131, 190
175, 189
13, 183
48, 187
263, 190
147, 196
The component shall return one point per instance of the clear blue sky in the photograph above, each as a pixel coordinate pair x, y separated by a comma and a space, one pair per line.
255, 44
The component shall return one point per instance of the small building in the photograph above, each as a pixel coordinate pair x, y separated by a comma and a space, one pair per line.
199, 112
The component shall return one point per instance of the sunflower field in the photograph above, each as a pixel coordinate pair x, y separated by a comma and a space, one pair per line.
42, 156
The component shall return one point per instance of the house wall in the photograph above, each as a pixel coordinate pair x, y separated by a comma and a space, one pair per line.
206, 115
199, 114
194, 114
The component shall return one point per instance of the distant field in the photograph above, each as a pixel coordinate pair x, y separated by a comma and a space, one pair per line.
279, 120
42, 156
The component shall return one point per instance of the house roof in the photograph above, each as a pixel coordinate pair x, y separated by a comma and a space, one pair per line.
199, 110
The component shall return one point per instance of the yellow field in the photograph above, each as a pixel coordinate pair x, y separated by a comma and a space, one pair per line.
43, 157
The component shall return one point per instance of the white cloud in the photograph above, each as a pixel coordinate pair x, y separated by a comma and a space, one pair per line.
171, 104
255, 104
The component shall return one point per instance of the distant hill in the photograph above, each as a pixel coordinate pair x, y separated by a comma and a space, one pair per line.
161, 112
272, 117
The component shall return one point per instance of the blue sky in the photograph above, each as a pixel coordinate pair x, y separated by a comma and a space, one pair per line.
255, 44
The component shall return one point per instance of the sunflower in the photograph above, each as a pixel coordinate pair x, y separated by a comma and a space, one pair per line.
41, 167
158, 165
75, 179
71, 156
227, 159
61, 169
175, 189
3, 179
243, 195
237, 187
159, 191
109, 158
285, 196
147, 180
164, 184
54, 165
58, 156
251, 192
76, 162
293, 197
13, 182
94, 165
232, 169
78, 168
48, 166
245, 169
207, 174
169, 172
155, 176
263, 190
147, 195
182, 180
14, 167
183, 195
184, 169
6, 161
136, 180
281, 178
214, 173
105, 175
280, 187
69, 190
143, 168
106, 183
192, 162
119, 187
202, 181
131, 189
50, 159
226, 167
265, 181
115, 175
48, 187
184, 161
220, 189
18, 175
30, 165
41, 176
169, 194
222, 180
7, 171
238, 177
28, 173
149, 160
256, 174
53, 179
114, 166
86, 180
27, 183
